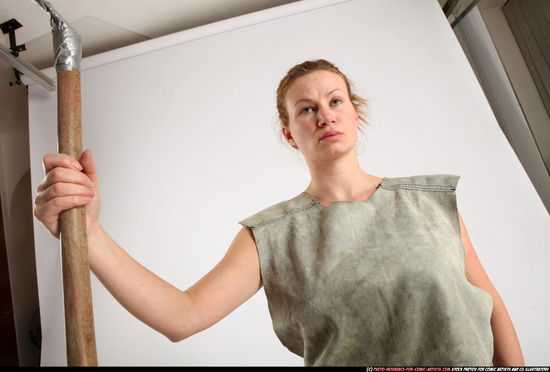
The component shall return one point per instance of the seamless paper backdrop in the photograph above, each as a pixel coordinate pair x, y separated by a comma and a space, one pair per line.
184, 132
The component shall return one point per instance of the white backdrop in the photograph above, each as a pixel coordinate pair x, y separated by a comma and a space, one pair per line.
183, 130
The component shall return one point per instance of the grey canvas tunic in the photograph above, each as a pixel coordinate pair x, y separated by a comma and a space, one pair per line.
375, 282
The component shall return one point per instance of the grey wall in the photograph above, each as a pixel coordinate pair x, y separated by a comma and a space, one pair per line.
183, 129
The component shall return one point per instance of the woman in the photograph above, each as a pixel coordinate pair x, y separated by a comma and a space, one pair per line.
358, 270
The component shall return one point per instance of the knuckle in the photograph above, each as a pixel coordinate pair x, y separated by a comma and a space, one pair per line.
57, 203
56, 175
55, 172
37, 213
57, 189
47, 160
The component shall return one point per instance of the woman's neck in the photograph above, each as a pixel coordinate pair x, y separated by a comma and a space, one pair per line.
340, 180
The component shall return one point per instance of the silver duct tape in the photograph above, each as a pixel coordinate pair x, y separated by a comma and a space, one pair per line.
67, 45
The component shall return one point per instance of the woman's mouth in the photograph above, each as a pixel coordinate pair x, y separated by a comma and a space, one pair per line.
330, 135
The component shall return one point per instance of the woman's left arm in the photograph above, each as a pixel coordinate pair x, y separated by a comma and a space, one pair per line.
507, 350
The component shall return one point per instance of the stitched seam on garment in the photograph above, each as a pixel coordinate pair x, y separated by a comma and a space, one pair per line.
411, 186
291, 212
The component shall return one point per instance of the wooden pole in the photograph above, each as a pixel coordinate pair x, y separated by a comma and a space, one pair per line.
77, 291
79, 319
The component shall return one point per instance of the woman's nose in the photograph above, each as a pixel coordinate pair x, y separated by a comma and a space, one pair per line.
324, 116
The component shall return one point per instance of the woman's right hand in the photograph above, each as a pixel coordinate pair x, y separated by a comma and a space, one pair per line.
68, 183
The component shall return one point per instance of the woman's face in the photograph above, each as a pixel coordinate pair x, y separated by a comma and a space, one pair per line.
322, 121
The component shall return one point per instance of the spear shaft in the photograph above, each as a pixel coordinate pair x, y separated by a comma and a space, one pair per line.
77, 293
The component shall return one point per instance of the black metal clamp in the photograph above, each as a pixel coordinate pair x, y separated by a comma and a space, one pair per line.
9, 27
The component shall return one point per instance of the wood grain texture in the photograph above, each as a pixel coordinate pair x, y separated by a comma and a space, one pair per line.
79, 319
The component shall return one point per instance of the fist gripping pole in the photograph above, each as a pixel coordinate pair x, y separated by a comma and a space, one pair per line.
77, 293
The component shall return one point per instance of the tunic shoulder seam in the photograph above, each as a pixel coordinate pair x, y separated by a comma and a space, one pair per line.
284, 215
412, 186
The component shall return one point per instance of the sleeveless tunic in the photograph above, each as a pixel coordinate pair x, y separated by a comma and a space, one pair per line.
376, 282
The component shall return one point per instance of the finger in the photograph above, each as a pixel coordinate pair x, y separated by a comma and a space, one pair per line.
64, 175
50, 210
51, 222
89, 167
52, 161
48, 213
59, 190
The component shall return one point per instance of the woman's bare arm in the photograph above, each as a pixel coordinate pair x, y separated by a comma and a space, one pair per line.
507, 350
175, 313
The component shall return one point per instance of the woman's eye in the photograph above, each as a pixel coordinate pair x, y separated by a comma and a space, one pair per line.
336, 101
307, 110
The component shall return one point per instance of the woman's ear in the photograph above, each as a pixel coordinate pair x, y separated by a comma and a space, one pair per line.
288, 137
